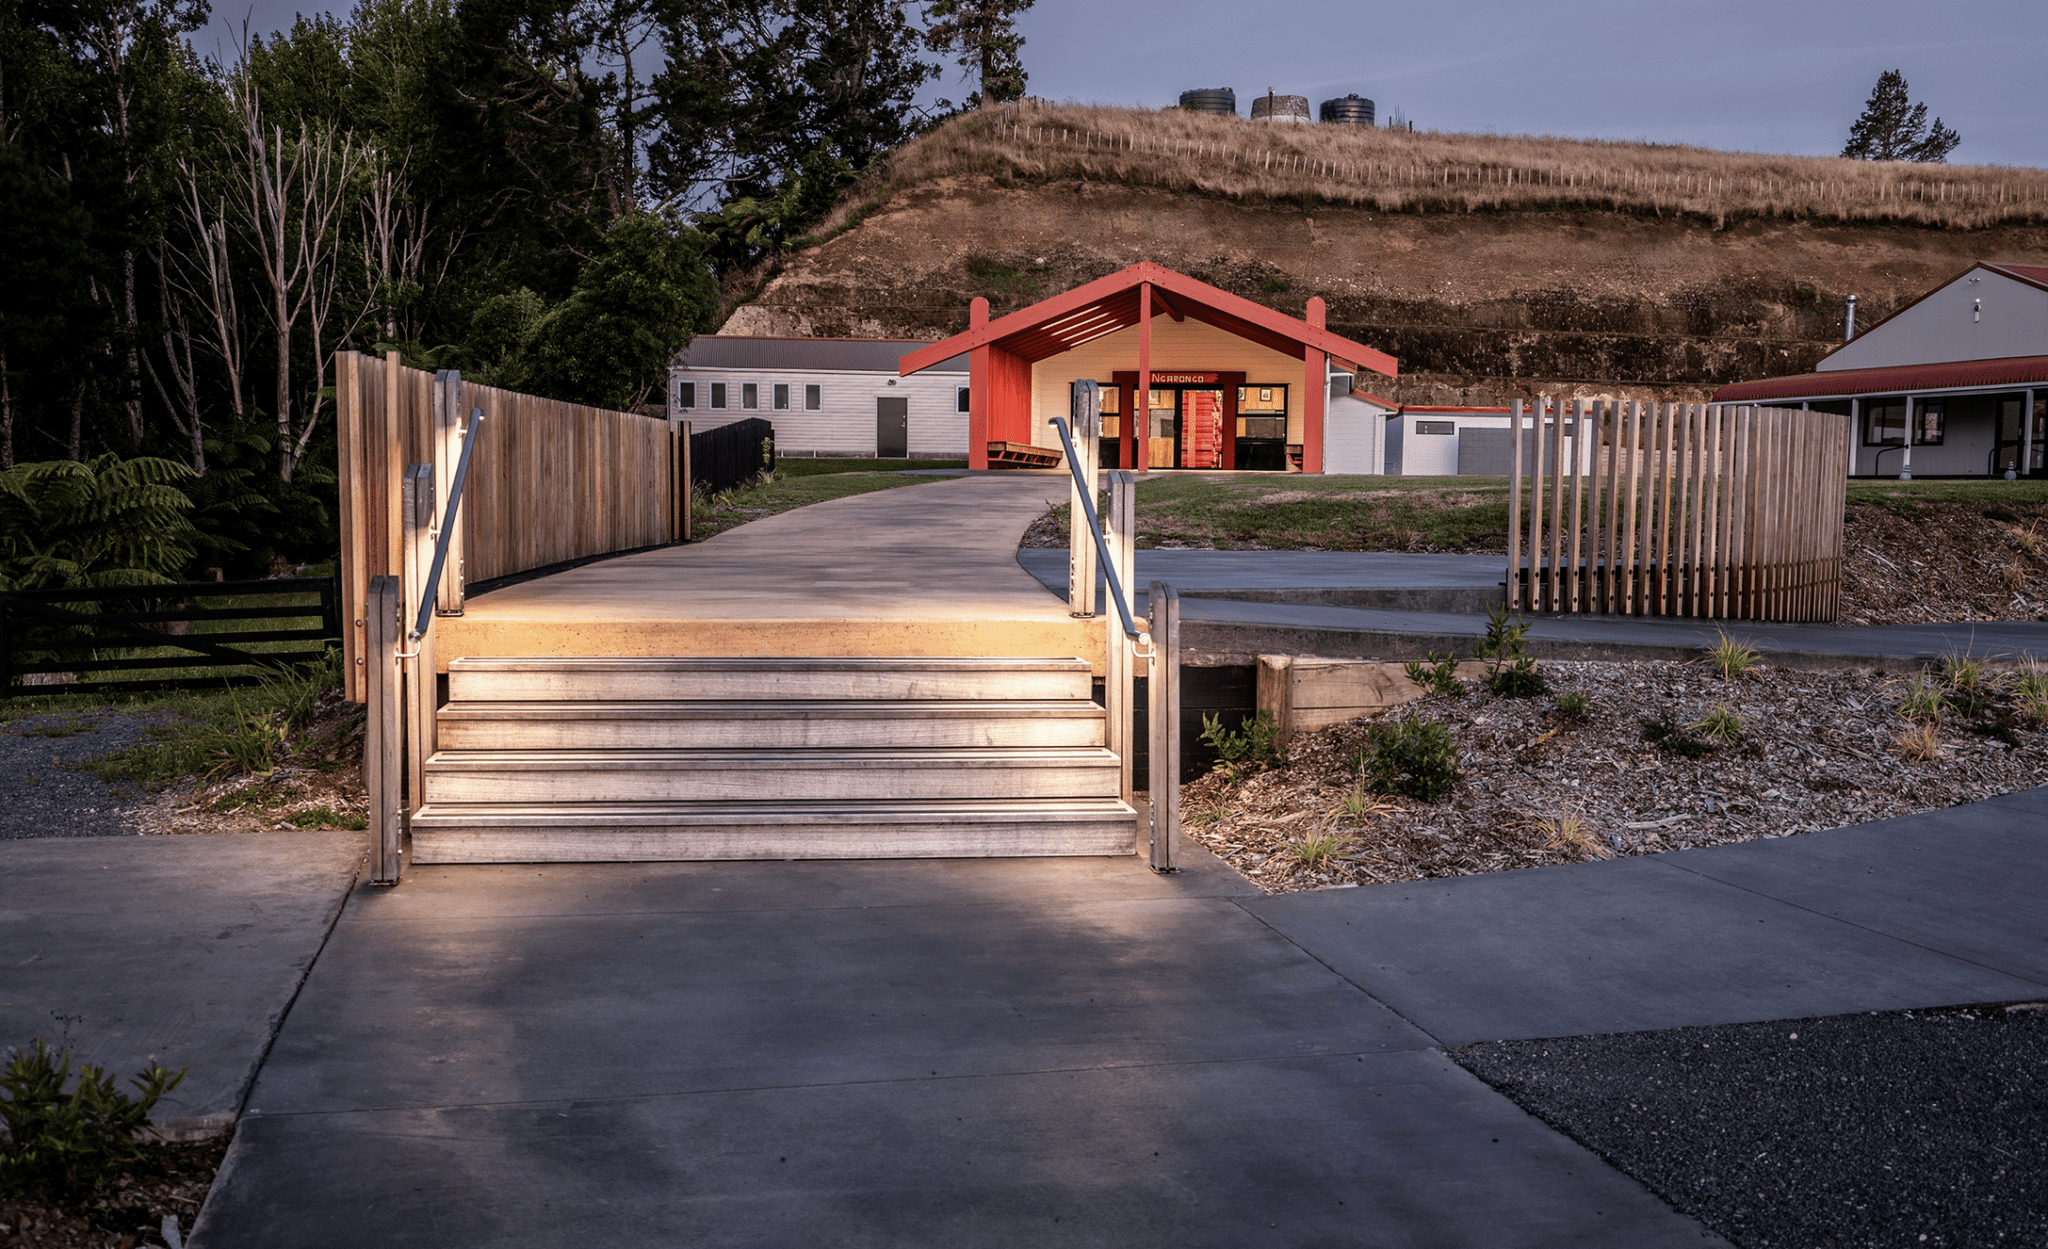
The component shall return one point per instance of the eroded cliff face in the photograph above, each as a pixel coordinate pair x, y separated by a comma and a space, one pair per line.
1477, 307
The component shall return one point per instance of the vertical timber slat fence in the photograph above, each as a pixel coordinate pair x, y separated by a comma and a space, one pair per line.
549, 482
1676, 509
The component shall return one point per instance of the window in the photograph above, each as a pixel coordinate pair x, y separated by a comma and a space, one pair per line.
750, 395
718, 394
686, 394
1930, 418
961, 400
1884, 422
813, 398
782, 396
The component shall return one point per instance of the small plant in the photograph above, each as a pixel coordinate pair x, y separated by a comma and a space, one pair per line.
1360, 805
1437, 673
2028, 540
1252, 745
1729, 657
2015, 577
62, 728
1673, 740
253, 744
1720, 725
2030, 691
1274, 285
1921, 742
327, 817
1318, 850
1924, 701
1414, 757
1510, 671
68, 1142
1572, 706
1569, 830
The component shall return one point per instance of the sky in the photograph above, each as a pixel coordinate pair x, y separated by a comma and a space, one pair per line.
1751, 75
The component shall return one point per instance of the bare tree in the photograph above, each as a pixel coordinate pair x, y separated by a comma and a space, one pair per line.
394, 245
290, 198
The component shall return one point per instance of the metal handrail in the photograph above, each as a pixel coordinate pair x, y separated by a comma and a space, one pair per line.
1087, 496
447, 530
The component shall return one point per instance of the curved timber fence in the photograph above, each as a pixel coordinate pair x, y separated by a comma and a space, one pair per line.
549, 482
1714, 511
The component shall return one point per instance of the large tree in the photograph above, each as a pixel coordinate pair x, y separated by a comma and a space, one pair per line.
981, 36
1892, 127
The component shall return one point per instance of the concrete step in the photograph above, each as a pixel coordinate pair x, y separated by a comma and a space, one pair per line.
517, 776
758, 725
657, 831
498, 679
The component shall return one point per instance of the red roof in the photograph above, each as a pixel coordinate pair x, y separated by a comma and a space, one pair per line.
1109, 304
2035, 274
1956, 375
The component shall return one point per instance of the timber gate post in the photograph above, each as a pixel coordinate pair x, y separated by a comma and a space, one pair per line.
1163, 688
1085, 407
421, 683
382, 731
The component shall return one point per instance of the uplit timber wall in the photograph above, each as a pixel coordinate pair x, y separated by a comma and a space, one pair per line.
548, 481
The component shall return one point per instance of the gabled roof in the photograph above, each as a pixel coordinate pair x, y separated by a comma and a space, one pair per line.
1898, 378
825, 355
1109, 304
2032, 275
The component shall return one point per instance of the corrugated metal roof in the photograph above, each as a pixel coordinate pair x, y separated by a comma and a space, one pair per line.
806, 355
2037, 274
1955, 375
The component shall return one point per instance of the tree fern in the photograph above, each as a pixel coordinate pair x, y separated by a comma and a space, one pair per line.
69, 524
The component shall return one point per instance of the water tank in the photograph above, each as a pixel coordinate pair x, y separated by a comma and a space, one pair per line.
1288, 108
1221, 101
1353, 108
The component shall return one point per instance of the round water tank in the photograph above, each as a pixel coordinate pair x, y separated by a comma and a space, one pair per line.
1289, 108
1353, 108
1221, 101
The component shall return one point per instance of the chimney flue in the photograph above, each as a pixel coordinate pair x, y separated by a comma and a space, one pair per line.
1849, 319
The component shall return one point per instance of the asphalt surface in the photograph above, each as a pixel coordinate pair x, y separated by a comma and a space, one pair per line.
43, 793
1913, 1128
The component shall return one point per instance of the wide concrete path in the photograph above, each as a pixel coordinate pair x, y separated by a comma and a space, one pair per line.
922, 569
1237, 605
182, 949
1037, 1052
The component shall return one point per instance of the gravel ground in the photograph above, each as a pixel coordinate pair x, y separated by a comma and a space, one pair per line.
44, 794
1911, 1130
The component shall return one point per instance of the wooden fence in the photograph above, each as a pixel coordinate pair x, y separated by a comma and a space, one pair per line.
548, 481
1702, 510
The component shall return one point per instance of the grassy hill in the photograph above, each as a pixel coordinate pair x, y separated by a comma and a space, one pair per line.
1491, 266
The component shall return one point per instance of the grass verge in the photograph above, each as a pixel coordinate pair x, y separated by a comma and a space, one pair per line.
775, 494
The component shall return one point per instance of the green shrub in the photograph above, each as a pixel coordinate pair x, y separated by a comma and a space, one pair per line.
1510, 670
1572, 706
1673, 740
62, 1142
1414, 757
1253, 744
1436, 673
1719, 725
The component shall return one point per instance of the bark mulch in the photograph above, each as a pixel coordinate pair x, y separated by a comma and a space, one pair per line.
170, 1182
1624, 775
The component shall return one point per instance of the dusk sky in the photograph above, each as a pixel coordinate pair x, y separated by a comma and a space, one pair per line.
1754, 75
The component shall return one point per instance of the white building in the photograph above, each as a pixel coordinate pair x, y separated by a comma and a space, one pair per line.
1953, 384
825, 396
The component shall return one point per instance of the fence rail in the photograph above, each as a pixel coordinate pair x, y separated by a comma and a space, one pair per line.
98, 631
550, 482
1677, 509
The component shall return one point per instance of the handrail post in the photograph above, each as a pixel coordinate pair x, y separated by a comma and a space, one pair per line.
1162, 787
1084, 406
1118, 663
421, 684
448, 439
383, 727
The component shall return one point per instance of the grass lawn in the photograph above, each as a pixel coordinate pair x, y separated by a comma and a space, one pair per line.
780, 493
792, 467
1463, 514
1295, 511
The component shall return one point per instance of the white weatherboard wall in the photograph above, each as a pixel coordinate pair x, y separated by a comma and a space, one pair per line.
844, 424
1355, 435
1177, 347
1982, 315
